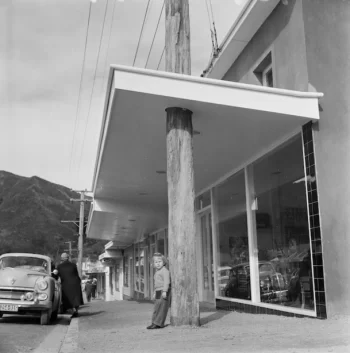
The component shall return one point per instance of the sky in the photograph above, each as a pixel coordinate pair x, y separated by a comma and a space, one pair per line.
51, 99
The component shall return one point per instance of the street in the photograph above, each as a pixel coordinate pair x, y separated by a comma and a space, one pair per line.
23, 333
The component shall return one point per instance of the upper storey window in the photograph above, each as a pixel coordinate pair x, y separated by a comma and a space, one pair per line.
264, 71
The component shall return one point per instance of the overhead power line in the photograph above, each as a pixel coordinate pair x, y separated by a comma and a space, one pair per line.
143, 24
155, 33
79, 93
93, 86
161, 57
109, 41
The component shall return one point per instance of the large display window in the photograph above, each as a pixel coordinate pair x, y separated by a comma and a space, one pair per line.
232, 238
282, 229
139, 268
262, 231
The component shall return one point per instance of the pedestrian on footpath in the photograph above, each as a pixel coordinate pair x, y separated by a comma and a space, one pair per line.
88, 290
94, 287
161, 292
72, 295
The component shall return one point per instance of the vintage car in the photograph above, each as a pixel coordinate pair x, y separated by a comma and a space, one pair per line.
272, 284
27, 286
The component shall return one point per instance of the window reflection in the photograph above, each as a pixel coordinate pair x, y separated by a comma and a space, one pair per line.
282, 228
233, 253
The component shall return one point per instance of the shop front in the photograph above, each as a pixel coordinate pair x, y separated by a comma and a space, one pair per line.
253, 204
255, 231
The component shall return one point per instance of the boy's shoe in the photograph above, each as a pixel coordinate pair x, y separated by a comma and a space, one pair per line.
152, 327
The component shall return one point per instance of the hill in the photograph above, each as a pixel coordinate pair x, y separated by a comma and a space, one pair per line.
31, 210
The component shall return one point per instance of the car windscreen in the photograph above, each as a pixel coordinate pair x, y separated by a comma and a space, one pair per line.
25, 262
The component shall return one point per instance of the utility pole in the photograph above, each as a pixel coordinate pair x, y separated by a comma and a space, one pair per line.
70, 250
82, 201
180, 175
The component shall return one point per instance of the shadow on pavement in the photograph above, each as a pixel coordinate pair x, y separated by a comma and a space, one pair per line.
21, 320
87, 313
141, 301
33, 320
215, 316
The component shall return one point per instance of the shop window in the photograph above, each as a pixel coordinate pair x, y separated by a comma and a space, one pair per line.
111, 279
161, 242
126, 271
117, 273
231, 228
142, 271
282, 228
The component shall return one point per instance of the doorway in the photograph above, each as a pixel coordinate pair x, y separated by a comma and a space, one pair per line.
207, 257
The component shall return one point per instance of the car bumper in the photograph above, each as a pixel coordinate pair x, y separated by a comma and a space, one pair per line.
25, 305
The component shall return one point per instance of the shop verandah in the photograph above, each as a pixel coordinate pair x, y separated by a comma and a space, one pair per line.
252, 194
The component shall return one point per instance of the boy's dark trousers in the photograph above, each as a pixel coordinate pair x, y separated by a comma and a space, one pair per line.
160, 310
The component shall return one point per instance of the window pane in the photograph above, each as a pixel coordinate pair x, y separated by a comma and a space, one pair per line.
204, 234
282, 228
233, 253
161, 243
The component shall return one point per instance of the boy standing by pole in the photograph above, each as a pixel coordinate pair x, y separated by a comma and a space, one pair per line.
161, 292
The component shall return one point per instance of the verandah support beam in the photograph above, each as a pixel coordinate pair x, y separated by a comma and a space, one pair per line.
180, 175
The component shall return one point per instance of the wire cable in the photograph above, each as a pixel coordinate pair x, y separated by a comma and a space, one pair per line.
155, 33
79, 94
93, 86
109, 42
143, 24
161, 57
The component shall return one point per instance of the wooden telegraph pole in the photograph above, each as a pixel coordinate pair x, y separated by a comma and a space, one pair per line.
180, 176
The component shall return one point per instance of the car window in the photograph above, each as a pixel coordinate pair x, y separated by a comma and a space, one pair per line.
265, 268
25, 262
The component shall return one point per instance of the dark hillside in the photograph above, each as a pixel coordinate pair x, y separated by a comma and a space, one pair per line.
30, 213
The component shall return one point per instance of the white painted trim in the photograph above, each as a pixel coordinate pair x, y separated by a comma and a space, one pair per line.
204, 209
158, 231
252, 235
252, 17
272, 306
265, 151
264, 74
213, 82
104, 127
215, 244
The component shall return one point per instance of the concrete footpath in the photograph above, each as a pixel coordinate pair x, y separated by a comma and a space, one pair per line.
121, 327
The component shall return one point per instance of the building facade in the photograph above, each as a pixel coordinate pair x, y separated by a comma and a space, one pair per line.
271, 182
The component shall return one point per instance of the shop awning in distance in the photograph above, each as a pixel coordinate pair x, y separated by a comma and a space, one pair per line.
233, 123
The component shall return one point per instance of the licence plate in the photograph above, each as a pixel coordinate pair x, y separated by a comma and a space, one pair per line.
8, 307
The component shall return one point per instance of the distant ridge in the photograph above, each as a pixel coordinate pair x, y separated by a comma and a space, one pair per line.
30, 213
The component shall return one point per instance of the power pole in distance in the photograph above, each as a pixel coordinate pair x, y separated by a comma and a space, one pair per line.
70, 250
82, 201
180, 175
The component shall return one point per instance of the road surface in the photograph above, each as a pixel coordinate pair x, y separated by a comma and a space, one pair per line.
23, 334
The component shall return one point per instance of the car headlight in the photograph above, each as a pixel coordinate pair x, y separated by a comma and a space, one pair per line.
42, 285
42, 296
29, 296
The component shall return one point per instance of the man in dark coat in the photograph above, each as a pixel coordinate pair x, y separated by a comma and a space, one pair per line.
72, 296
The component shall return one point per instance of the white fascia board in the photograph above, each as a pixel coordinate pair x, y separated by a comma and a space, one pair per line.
104, 127
188, 89
242, 31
